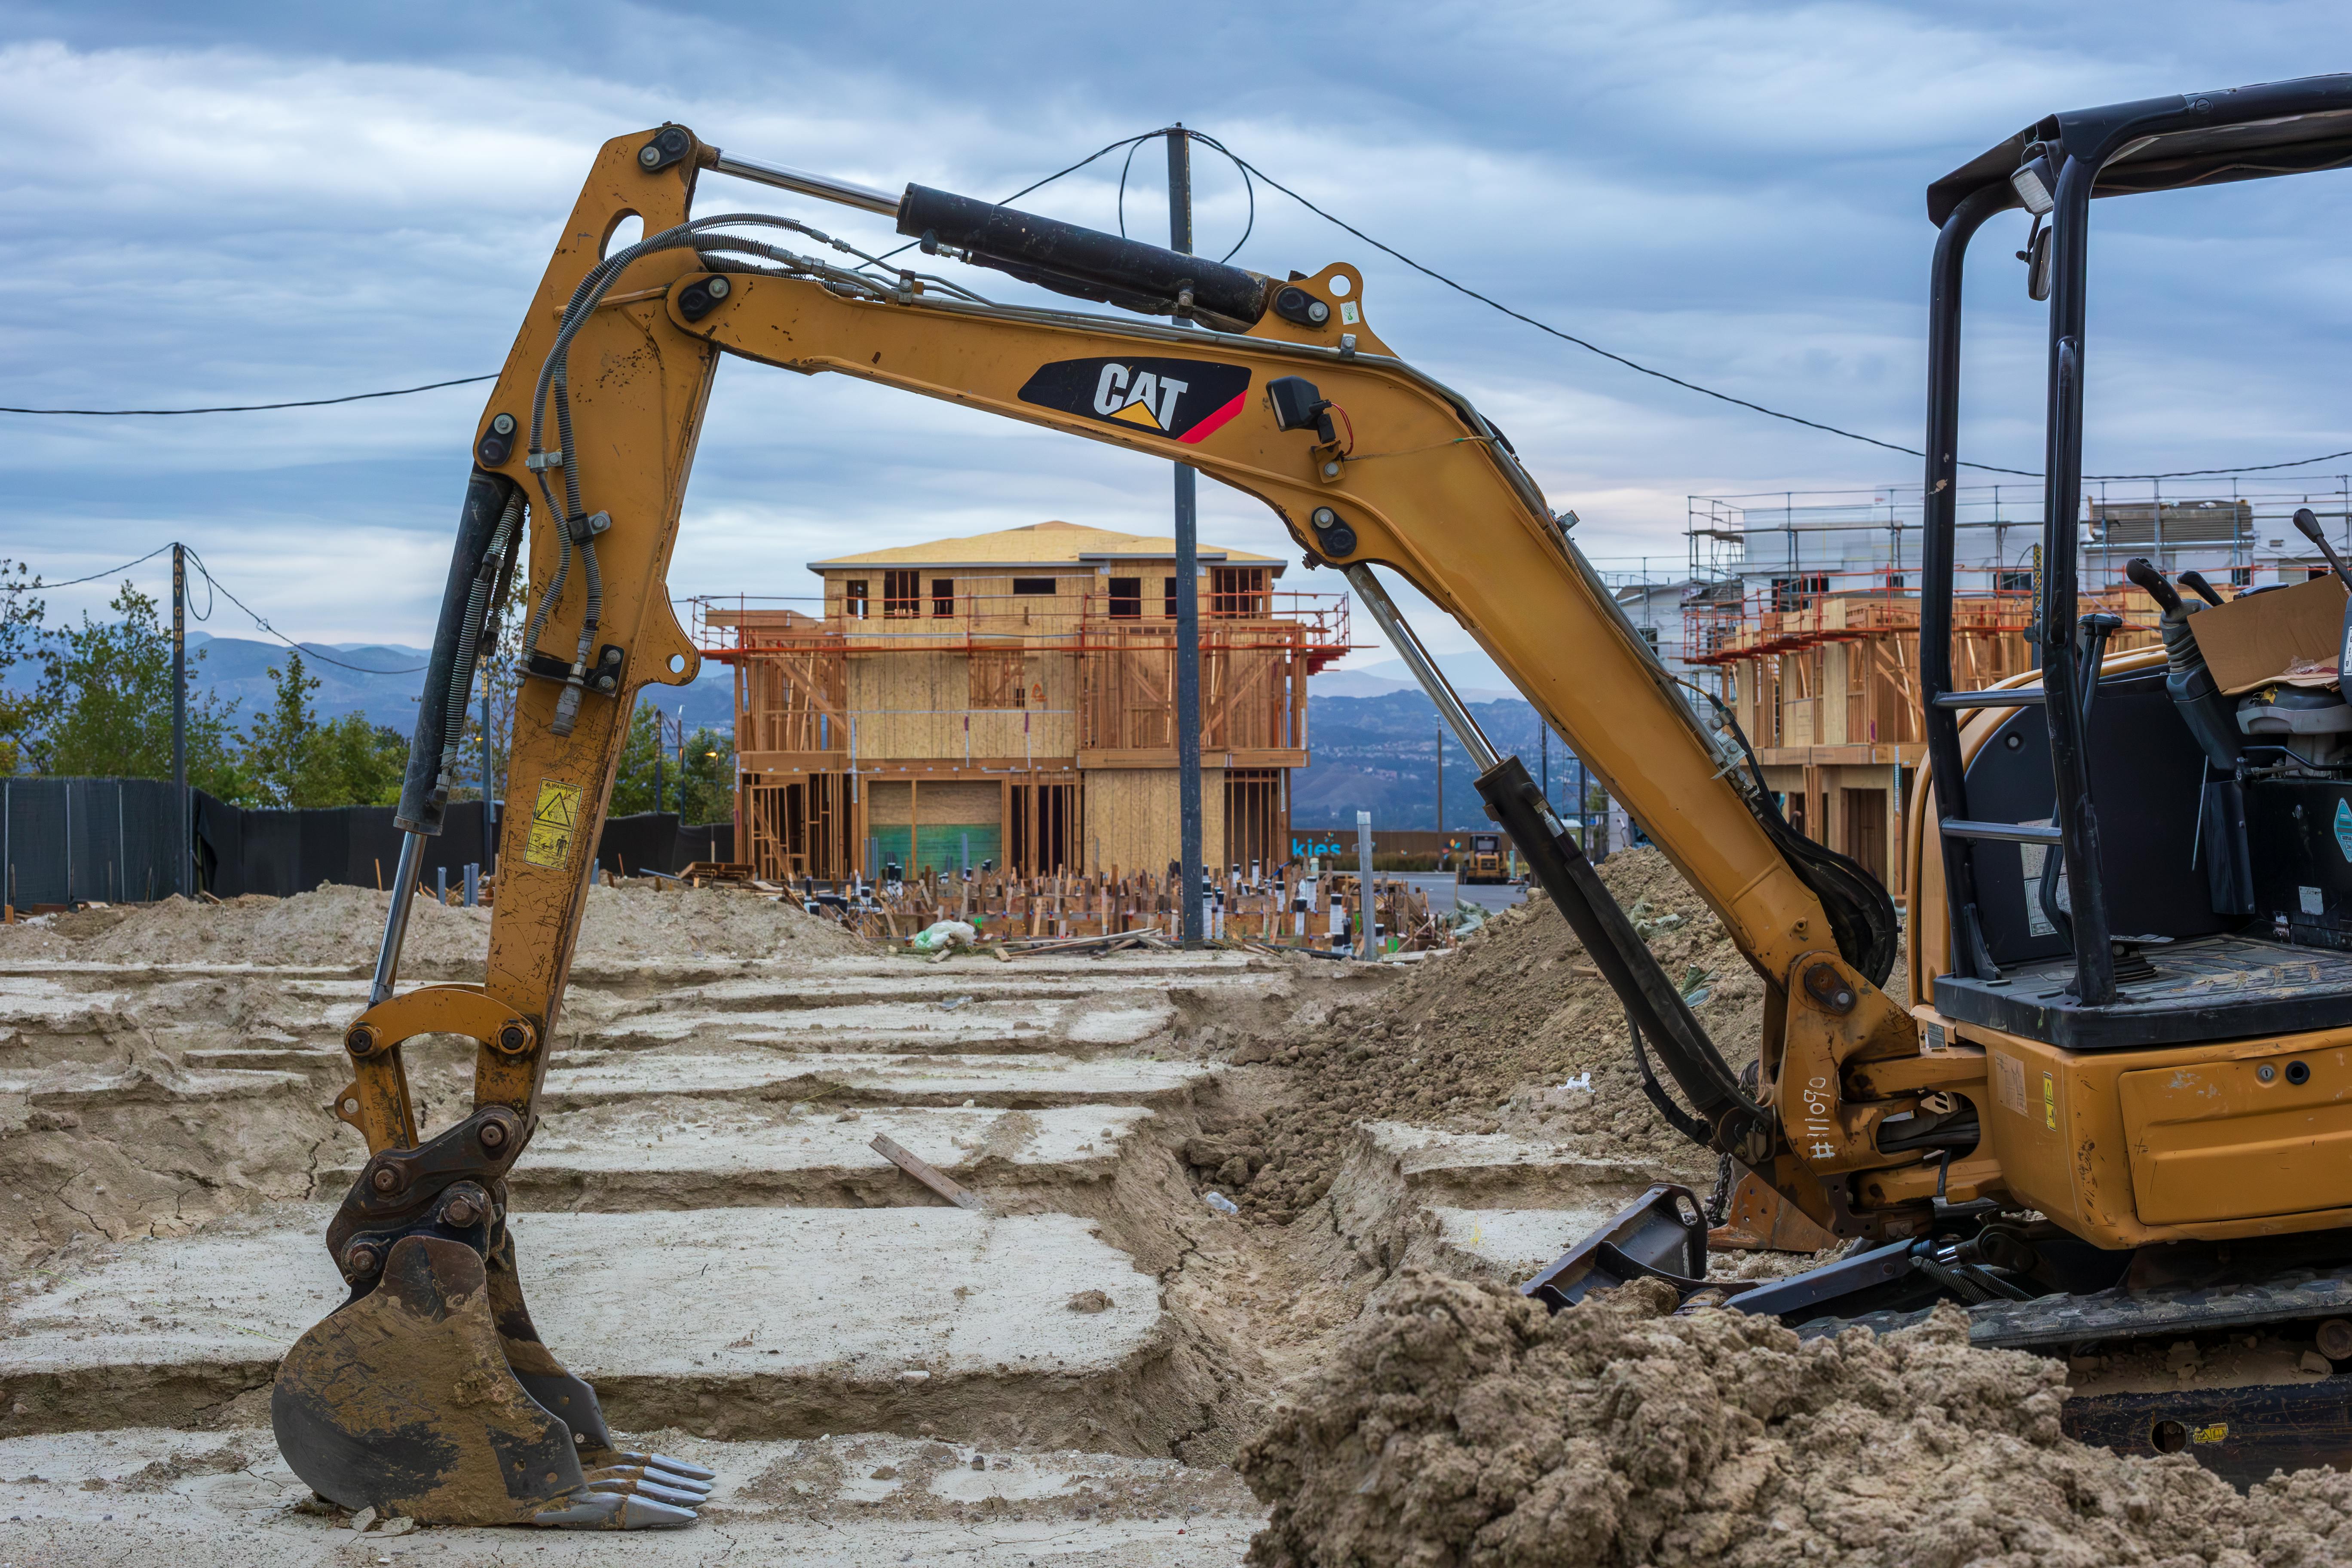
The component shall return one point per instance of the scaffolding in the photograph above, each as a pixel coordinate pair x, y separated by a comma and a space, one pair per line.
1800, 611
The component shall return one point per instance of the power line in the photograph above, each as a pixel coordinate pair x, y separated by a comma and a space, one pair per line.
1249, 168
255, 407
38, 586
215, 584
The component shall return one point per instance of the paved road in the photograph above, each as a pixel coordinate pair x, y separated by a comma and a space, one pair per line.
1443, 893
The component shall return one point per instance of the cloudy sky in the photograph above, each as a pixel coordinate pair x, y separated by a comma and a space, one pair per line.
253, 202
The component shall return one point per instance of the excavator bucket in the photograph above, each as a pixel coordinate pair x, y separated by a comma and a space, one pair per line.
404, 1400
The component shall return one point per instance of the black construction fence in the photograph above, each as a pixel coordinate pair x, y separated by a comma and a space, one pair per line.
69, 841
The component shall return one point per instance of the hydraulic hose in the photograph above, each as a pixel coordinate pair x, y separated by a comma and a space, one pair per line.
422, 799
477, 614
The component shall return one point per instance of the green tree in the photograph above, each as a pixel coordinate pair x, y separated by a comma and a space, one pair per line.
21, 618
275, 740
708, 786
352, 761
295, 761
103, 707
633, 785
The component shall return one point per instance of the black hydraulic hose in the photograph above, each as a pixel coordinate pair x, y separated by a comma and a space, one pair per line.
422, 801
1692, 1126
477, 611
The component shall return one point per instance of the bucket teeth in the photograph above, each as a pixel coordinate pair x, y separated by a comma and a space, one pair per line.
645, 1486
668, 1479
611, 1511
664, 1462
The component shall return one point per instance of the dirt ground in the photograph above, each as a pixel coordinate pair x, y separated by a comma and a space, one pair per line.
1459, 1425
341, 926
1392, 1402
1516, 1032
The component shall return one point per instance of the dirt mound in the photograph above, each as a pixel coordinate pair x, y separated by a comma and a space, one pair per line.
339, 926
1459, 1427
1489, 1039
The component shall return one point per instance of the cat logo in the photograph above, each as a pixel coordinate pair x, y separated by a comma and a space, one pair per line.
1188, 399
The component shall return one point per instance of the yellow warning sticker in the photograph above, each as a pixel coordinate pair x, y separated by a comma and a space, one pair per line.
2049, 1094
2217, 1433
553, 822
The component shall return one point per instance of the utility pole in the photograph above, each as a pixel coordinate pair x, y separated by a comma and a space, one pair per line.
1544, 740
661, 739
1441, 774
185, 884
1188, 582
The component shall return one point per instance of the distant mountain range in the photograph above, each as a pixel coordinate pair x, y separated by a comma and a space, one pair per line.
1385, 679
388, 681
1379, 753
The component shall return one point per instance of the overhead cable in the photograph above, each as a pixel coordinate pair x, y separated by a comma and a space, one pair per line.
1249, 168
38, 586
257, 407
1250, 171
215, 584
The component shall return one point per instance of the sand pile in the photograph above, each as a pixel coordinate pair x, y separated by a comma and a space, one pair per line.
1483, 1040
341, 926
1458, 1427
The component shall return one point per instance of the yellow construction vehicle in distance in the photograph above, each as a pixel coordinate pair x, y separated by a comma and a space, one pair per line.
1481, 863
2077, 1129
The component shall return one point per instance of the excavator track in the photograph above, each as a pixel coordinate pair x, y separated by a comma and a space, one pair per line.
2255, 1390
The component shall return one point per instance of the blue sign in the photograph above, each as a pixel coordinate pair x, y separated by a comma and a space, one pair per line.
2344, 826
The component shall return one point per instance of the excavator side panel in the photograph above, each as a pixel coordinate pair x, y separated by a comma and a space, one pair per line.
2119, 1147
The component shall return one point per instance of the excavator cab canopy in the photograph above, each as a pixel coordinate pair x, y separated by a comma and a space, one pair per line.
2296, 127
2096, 768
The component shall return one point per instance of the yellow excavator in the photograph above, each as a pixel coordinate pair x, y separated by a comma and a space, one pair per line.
2087, 1136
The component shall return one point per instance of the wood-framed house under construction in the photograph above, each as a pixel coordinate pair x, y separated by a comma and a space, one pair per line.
1010, 698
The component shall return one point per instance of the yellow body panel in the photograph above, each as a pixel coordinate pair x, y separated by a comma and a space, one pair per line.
2124, 1148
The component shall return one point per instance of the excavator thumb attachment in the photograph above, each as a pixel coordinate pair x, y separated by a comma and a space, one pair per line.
402, 1400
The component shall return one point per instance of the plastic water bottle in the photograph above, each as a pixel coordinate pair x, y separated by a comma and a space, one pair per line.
1223, 1204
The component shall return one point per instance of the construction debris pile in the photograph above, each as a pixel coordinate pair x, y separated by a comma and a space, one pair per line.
1515, 1032
1296, 907
1459, 1425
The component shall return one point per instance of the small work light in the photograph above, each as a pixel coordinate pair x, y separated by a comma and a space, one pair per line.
2035, 183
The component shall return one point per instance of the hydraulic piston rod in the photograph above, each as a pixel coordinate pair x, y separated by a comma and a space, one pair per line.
824, 187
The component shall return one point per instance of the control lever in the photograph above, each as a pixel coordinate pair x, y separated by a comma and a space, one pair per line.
2306, 523
2186, 681
2194, 580
2098, 627
2150, 581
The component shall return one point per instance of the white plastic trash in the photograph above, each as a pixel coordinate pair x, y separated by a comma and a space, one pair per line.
1222, 1204
943, 935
